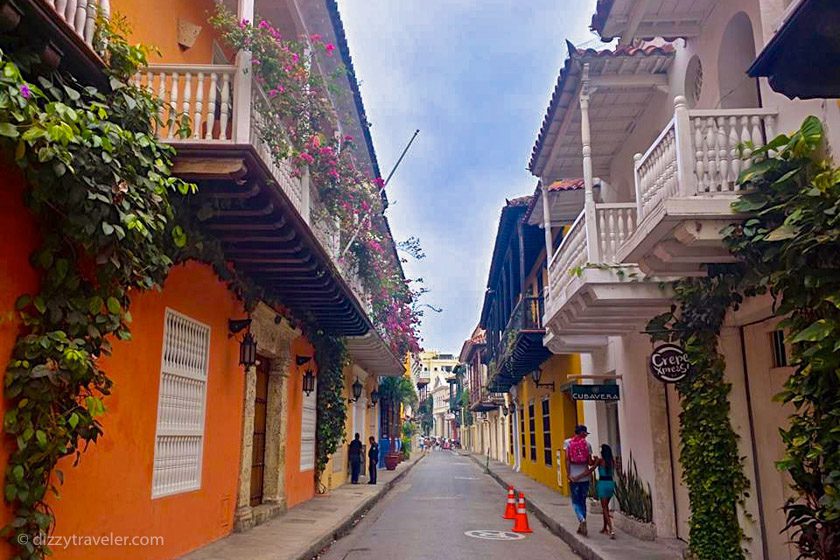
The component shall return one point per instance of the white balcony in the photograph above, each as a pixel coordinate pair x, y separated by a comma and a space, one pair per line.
685, 185
591, 296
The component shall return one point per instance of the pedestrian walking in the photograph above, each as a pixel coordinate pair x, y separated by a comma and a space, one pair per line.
605, 487
578, 463
355, 459
373, 460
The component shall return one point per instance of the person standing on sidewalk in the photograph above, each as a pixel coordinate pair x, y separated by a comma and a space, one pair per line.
578, 461
605, 487
355, 459
373, 460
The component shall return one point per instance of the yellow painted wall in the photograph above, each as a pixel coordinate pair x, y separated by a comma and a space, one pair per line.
563, 414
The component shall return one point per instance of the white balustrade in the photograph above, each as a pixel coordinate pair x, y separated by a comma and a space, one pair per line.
700, 152
616, 222
570, 254
199, 94
81, 15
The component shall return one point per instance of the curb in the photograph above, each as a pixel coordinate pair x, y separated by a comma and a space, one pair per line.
344, 527
578, 547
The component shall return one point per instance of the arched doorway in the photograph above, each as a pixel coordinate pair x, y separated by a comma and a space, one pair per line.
737, 52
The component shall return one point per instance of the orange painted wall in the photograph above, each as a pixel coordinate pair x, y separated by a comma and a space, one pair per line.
155, 23
110, 491
300, 485
19, 233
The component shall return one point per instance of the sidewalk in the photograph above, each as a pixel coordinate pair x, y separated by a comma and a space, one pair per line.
305, 530
554, 510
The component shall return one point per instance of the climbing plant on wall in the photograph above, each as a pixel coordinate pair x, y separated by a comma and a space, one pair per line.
791, 247
331, 357
99, 190
713, 470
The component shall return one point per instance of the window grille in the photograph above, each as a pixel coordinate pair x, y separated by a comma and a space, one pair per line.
546, 420
182, 399
532, 427
309, 419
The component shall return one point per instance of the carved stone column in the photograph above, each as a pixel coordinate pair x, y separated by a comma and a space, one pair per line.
274, 487
242, 517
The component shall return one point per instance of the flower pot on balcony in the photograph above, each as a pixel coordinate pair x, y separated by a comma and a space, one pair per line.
392, 459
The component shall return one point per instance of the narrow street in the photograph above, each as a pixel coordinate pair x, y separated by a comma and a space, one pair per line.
428, 514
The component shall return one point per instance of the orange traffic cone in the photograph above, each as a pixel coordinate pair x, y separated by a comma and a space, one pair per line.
520, 524
510, 509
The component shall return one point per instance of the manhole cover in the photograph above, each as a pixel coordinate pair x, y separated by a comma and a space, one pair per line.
494, 535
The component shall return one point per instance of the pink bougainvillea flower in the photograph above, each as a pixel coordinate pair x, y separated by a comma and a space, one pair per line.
348, 138
315, 37
25, 92
330, 48
379, 182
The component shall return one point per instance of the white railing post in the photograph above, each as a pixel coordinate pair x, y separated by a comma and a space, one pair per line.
305, 196
686, 178
591, 224
547, 223
242, 83
638, 181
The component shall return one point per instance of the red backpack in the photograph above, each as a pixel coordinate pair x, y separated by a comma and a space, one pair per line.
578, 451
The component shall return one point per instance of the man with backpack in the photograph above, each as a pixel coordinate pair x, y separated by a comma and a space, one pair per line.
578, 463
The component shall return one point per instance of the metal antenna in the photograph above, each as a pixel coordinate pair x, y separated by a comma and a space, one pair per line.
381, 190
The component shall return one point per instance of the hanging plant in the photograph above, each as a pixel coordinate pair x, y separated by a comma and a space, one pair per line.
331, 357
99, 190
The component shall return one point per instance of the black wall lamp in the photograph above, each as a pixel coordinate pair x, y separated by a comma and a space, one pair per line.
536, 375
357, 391
300, 360
374, 398
248, 345
308, 382
505, 410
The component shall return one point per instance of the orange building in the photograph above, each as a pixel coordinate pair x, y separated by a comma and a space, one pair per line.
195, 445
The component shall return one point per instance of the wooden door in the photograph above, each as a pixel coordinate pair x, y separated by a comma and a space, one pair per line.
258, 454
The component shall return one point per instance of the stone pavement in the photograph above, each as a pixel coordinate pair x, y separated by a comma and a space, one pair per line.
555, 511
306, 529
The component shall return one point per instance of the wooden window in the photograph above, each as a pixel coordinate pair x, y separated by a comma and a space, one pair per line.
182, 399
546, 422
308, 422
777, 339
522, 430
532, 428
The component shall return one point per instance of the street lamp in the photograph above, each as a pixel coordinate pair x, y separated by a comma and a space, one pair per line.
536, 375
308, 382
357, 391
374, 398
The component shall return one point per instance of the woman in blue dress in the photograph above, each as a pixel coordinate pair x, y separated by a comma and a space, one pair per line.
605, 488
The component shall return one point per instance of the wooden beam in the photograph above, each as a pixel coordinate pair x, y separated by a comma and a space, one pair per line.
209, 167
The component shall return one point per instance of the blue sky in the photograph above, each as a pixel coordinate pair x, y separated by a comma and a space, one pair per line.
475, 77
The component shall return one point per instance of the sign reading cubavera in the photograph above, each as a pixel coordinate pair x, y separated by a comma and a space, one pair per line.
594, 392
669, 363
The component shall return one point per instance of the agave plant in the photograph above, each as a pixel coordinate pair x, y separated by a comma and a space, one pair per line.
633, 494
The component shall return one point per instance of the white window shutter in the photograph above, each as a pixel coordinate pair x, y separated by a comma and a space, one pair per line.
182, 400
309, 420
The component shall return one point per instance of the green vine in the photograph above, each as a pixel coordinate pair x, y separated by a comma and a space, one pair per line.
331, 357
99, 190
713, 470
791, 247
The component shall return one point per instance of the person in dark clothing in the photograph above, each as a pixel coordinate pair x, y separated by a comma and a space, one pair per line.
355, 459
373, 460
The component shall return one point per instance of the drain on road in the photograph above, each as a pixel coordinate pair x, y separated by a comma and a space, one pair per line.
494, 535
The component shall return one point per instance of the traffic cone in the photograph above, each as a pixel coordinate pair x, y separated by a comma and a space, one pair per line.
510, 509
520, 524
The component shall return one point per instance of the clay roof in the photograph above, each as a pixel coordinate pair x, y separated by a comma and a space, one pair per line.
599, 18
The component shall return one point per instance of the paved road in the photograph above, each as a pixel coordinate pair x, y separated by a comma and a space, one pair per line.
426, 515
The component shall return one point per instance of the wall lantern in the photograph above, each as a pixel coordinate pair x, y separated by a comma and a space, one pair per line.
505, 410
374, 398
248, 345
536, 375
308, 382
357, 390
300, 360
512, 407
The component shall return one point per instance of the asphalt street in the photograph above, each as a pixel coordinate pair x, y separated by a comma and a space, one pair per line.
427, 516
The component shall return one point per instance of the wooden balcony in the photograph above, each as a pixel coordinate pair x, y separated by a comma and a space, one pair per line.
591, 296
685, 185
520, 348
485, 401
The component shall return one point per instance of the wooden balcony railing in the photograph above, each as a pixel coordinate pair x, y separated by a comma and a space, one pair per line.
699, 153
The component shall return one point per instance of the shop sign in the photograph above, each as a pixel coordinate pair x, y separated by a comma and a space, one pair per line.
669, 363
594, 392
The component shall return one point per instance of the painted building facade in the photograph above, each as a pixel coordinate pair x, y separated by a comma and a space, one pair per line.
652, 125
